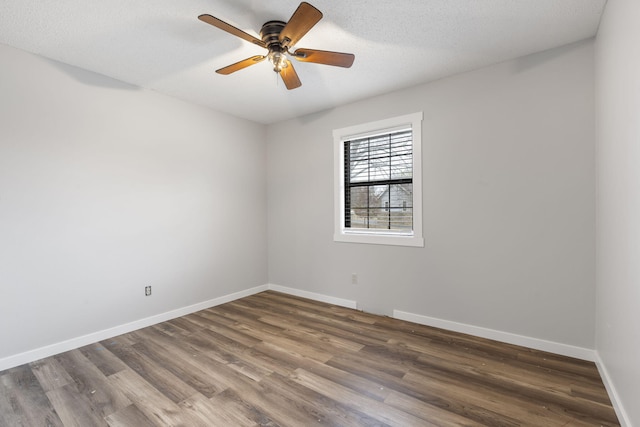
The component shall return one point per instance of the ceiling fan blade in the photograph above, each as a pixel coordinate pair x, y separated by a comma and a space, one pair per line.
231, 29
302, 20
241, 64
337, 59
290, 77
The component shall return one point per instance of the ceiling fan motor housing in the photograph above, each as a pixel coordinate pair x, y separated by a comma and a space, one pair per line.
270, 34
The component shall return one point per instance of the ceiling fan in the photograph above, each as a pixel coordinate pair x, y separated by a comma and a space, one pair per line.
278, 37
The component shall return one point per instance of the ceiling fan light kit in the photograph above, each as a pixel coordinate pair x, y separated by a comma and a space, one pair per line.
278, 37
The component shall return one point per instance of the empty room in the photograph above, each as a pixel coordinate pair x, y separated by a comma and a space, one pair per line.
418, 213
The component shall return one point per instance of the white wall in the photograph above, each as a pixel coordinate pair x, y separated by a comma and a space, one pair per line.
106, 188
618, 202
508, 157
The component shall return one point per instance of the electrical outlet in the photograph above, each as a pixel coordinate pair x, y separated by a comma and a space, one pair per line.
354, 279
147, 290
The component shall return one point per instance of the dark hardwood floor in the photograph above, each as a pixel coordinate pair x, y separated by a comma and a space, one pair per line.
273, 359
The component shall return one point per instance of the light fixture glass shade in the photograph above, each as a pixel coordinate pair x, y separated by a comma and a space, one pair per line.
279, 61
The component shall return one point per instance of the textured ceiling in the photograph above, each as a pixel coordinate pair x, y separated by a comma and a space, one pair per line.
161, 45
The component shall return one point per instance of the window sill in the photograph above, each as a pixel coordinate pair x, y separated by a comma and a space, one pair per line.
380, 239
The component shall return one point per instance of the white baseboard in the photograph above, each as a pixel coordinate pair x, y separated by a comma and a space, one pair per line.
50, 350
535, 343
53, 349
623, 417
313, 296
506, 337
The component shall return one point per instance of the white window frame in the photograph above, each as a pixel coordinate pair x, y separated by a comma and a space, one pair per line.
379, 237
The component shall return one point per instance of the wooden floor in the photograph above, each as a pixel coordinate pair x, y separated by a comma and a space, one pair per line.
273, 359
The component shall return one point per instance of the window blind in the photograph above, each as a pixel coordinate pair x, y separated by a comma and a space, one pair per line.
378, 178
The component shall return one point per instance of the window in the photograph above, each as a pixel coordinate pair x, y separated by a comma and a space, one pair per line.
378, 182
